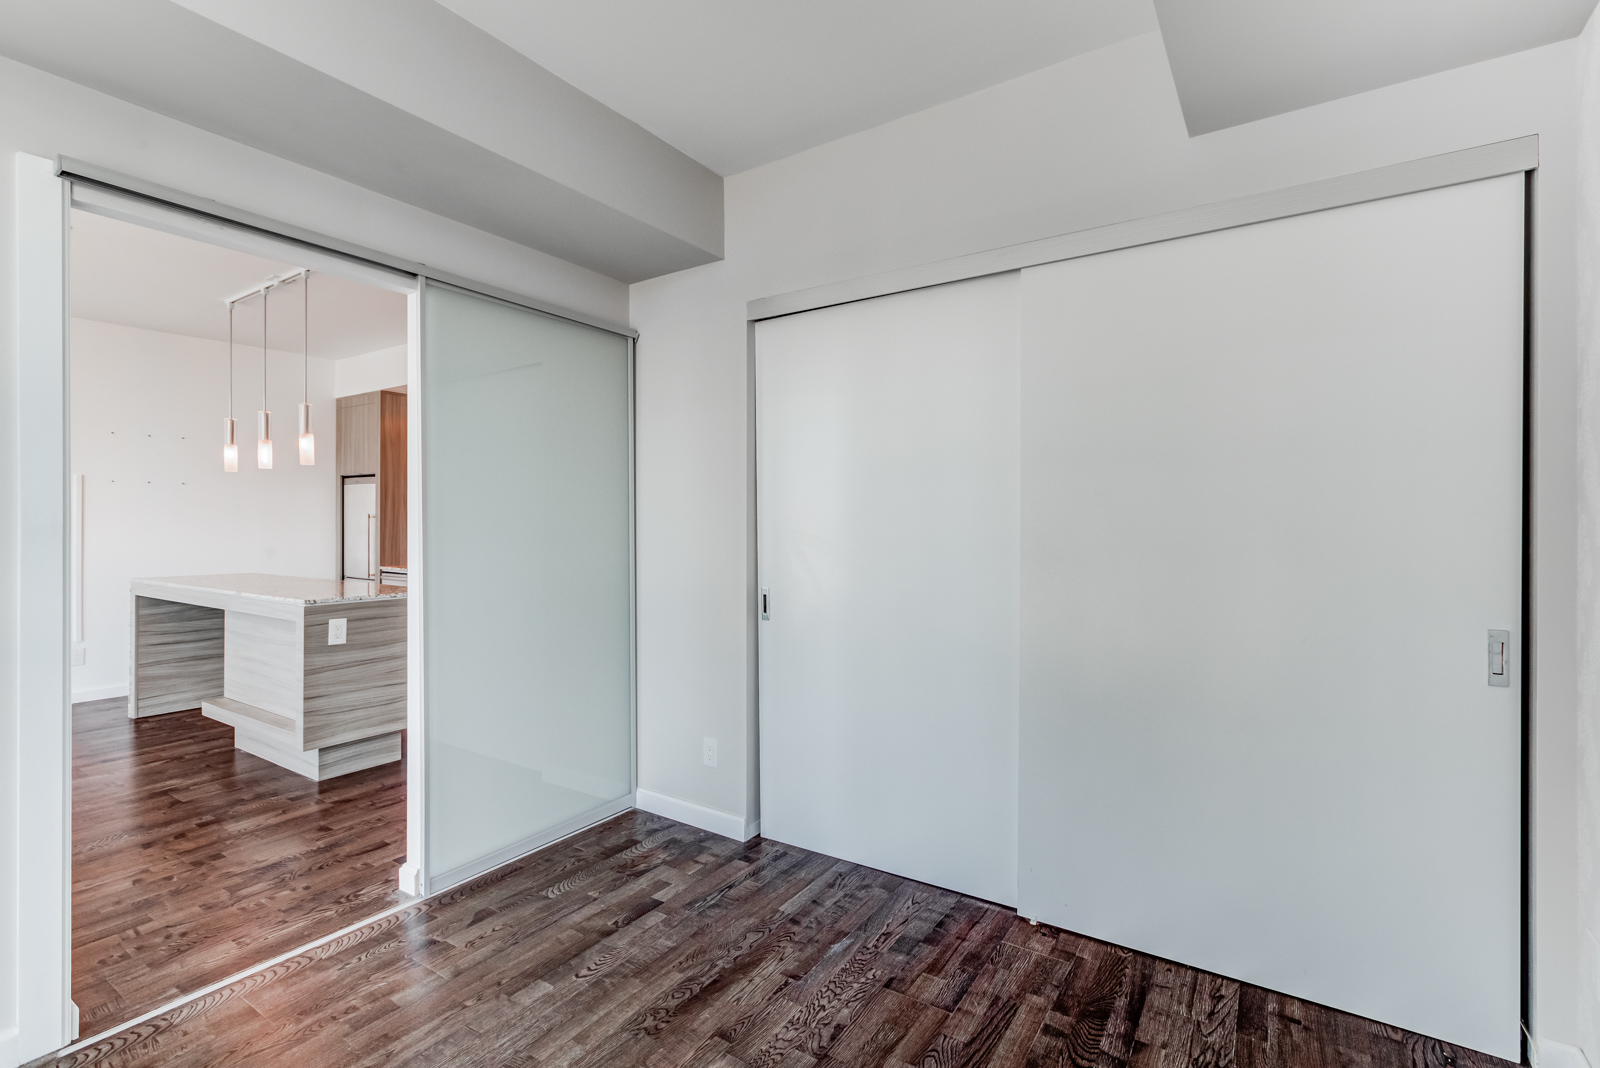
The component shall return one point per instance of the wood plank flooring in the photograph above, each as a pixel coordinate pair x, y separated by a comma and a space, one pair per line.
192, 861
644, 942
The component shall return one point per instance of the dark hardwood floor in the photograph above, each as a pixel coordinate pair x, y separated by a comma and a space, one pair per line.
192, 861
644, 942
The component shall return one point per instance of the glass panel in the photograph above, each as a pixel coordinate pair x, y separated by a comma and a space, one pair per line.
528, 614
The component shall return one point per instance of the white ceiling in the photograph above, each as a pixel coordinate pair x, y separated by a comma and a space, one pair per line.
738, 83
135, 276
1235, 61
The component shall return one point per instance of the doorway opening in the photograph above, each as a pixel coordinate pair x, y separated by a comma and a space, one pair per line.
238, 704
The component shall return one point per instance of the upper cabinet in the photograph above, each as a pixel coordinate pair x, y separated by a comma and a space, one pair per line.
358, 434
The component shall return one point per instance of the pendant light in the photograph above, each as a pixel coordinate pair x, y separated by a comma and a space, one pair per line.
308, 441
230, 448
264, 417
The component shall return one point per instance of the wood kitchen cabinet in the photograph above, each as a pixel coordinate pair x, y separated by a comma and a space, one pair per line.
372, 441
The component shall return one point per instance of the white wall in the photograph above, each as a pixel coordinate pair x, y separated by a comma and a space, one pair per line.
48, 116
383, 369
1093, 140
147, 412
1588, 614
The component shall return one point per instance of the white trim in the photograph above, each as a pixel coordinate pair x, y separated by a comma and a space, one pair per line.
100, 693
531, 844
413, 873
1433, 172
633, 569
707, 819
44, 749
1559, 1055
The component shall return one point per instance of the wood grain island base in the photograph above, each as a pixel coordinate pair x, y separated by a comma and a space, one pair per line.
254, 652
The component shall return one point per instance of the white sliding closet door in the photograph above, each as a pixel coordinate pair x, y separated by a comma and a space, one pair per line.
1272, 510
888, 453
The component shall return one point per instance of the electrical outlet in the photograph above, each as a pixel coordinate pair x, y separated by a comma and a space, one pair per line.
336, 629
708, 752
79, 655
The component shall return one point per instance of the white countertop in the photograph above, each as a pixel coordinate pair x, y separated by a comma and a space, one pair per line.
282, 588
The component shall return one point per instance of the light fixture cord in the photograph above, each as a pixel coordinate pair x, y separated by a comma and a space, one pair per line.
230, 359
305, 340
264, 347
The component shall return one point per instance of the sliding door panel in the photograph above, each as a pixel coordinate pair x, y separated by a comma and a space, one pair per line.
527, 565
1272, 518
888, 453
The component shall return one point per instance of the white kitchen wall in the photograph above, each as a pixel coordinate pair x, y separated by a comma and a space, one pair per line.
50, 116
147, 411
383, 369
1093, 140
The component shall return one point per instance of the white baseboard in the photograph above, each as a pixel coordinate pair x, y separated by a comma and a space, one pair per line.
707, 819
9, 1054
100, 693
1560, 1055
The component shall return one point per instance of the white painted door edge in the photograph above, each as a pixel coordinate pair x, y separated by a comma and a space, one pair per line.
1415, 176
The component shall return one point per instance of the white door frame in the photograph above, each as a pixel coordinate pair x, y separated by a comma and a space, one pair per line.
45, 192
46, 1016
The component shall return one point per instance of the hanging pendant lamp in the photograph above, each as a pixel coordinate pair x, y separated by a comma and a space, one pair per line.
264, 417
308, 441
230, 448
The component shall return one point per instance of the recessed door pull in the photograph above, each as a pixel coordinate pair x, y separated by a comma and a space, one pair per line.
1499, 658
765, 614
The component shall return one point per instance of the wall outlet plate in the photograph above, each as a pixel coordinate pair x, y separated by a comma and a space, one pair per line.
708, 752
79, 655
336, 631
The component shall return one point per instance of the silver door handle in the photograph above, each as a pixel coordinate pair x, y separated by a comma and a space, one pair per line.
1499, 658
372, 548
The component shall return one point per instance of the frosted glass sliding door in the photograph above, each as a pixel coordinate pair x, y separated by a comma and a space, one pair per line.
1271, 709
527, 599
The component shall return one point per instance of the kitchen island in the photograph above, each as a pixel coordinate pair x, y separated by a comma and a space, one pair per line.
309, 673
